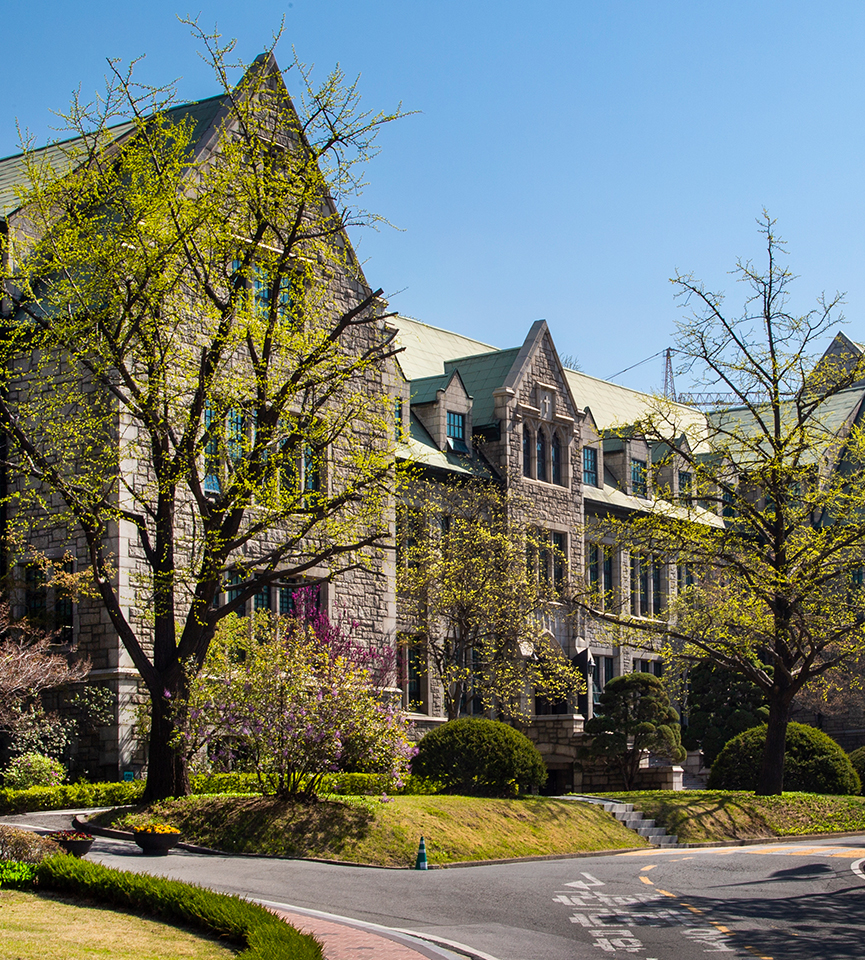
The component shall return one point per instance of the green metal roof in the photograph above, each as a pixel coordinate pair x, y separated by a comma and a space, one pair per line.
737, 428
481, 374
426, 348
64, 155
424, 389
419, 447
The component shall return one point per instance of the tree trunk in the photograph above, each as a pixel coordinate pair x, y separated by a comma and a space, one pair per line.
167, 768
771, 780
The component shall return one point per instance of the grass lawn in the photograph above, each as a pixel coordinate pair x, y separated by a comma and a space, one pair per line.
699, 816
36, 926
367, 830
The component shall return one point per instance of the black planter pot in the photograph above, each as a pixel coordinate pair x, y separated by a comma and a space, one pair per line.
156, 844
78, 848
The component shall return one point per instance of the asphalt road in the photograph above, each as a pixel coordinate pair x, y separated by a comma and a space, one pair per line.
783, 901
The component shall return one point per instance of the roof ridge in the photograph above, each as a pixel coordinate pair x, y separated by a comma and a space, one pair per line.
115, 126
451, 333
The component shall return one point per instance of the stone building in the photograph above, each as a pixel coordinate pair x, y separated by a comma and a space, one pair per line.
546, 432
277, 490
463, 409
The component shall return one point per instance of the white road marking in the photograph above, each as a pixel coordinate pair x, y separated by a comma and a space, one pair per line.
611, 920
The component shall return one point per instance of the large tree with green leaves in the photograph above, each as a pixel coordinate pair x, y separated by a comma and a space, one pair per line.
770, 535
191, 356
476, 582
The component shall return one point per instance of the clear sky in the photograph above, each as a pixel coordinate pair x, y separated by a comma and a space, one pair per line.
568, 157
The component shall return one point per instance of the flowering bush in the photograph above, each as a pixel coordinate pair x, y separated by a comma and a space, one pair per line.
33, 770
296, 699
162, 828
59, 835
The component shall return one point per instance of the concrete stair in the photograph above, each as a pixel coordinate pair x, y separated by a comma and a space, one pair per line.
632, 819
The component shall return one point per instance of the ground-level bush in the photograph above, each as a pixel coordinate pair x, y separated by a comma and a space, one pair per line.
479, 757
857, 758
24, 845
267, 937
814, 762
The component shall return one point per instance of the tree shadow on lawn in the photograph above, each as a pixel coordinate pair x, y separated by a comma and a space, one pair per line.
269, 825
718, 818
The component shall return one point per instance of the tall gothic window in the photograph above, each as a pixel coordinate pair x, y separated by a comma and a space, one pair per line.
542, 456
527, 451
556, 460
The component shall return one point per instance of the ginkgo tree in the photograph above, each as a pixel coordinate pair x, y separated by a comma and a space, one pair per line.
191, 355
477, 584
770, 537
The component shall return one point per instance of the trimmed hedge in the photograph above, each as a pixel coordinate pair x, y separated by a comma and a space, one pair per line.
477, 757
346, 784
69, 795
123, 794
814, 763
266, 936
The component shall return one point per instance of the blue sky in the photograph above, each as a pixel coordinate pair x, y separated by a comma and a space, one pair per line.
567, 157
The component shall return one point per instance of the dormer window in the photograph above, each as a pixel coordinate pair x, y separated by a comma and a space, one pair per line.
590, 466
639, 484
686, 486
456, 431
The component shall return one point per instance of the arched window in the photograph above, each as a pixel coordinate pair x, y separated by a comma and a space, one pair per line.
556, 460
542, 456
527, 451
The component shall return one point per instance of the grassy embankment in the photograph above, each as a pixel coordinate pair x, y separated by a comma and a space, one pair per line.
34, 926
701, 816
367, 830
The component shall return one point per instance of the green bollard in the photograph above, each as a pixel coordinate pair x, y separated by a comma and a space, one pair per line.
420, 863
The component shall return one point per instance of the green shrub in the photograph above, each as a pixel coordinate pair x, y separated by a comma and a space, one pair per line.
374, 785
24, 845
857, 758
346, 784
479, 757
33, 770
814, 763
69, 795
267, 937
17, 876
211, 783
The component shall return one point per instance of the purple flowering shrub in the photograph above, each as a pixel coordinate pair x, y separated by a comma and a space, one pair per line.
33, 770
295, 698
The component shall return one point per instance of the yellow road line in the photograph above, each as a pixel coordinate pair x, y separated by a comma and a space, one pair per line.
651, 866
647, 880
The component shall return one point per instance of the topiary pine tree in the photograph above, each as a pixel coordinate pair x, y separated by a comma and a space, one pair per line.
634, 715
721, 704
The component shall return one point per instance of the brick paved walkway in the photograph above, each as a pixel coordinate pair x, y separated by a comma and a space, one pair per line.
343, 942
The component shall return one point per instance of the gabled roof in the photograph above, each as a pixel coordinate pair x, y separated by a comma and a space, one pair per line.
482, 374
66, 154
425, 389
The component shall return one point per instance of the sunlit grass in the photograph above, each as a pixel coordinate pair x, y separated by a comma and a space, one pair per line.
367, 830
35, 926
